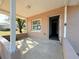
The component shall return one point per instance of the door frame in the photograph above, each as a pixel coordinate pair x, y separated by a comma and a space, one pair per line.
60, 30
56, 23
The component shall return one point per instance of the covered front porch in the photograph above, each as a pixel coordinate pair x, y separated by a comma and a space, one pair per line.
35, 43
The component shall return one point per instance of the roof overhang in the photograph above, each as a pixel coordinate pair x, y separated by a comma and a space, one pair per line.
26, 8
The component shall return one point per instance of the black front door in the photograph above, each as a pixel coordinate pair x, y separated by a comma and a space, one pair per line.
53, 27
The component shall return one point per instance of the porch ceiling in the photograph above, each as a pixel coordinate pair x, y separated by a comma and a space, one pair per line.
28, 8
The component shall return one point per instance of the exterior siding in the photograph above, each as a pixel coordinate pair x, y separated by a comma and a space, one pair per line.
44, 34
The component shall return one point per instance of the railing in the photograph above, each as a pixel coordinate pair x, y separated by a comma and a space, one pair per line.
4, 48
69, 52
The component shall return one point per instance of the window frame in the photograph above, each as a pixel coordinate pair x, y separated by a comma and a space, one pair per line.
36, 25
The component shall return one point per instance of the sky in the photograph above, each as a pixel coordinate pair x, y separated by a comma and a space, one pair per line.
3, 18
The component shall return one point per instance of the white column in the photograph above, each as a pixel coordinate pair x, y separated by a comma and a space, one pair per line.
65, 17
13, 25
65, 21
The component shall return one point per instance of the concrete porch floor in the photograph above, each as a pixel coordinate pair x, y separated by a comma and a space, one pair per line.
39, 49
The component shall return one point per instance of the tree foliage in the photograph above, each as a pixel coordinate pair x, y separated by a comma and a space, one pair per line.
20, 23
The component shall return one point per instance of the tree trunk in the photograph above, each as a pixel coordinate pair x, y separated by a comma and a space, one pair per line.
20, 30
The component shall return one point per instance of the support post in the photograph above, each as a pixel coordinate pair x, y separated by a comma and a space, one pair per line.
13, 26
65, 18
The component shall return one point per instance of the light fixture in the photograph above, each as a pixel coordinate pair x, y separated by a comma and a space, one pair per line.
28, 6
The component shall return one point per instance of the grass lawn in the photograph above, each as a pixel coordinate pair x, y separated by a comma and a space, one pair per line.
3, 33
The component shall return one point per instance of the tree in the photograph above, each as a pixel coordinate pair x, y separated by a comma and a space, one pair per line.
20, 23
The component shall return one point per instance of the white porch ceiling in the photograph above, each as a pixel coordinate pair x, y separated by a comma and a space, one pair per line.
37, 6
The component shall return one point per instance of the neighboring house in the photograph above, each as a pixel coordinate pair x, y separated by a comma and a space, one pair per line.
4, 26
4, 22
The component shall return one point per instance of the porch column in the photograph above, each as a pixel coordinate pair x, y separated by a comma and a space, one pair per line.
13, 26
65, 17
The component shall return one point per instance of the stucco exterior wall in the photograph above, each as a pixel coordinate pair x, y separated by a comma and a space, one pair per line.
73, 26
68, 51
44, 34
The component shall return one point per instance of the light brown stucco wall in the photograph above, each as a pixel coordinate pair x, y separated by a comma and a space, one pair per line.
44, 34
73, 26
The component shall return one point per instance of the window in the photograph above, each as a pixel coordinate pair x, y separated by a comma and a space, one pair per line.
36, 27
